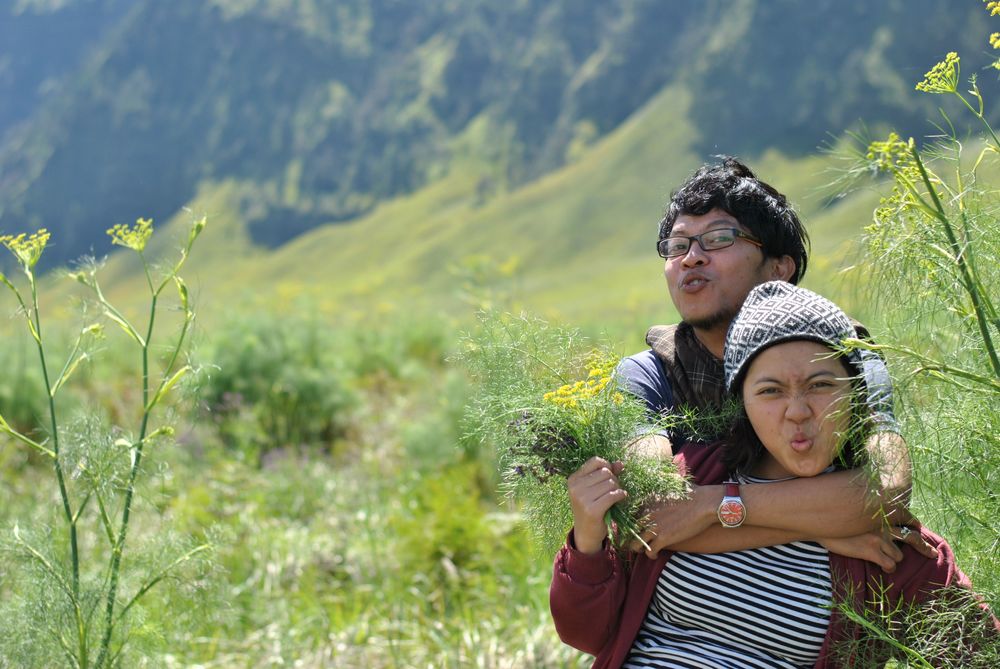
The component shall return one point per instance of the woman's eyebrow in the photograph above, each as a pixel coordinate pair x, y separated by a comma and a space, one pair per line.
768, 379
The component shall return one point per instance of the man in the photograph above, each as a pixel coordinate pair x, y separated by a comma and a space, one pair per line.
724, 232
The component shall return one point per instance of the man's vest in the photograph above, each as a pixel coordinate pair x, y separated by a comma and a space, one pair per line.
697, 378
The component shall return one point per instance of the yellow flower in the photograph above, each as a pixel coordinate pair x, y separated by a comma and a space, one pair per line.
995, 40
993, 7
27, 249
600, 370
135, 237
943, 77
891, 154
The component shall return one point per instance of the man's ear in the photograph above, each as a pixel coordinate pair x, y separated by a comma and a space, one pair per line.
782, 268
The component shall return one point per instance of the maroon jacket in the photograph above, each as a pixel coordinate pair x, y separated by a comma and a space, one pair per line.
599, 603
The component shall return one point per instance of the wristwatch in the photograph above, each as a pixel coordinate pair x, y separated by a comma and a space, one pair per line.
732, 511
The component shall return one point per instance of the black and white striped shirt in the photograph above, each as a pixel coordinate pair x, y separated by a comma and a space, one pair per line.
761, 608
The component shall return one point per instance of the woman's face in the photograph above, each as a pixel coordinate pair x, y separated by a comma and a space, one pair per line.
797, 397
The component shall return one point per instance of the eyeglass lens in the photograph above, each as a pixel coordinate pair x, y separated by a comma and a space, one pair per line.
709, 241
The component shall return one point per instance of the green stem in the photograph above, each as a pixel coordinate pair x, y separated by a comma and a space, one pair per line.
159, 577
988, 306
928, 364
882, 635
8, 430
119, 545
970, 285
979, 114
60, 478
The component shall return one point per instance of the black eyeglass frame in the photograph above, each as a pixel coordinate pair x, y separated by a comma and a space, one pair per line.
737, 234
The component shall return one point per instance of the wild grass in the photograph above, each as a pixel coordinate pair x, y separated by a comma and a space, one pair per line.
934, 262
394, 551
67, 593
394, 548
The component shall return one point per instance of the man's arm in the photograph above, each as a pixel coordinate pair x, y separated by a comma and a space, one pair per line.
887, 451
831, 506
891, 460
876, 547
836, 505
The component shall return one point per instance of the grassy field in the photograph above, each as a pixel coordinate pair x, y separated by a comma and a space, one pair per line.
380, 542
321, 447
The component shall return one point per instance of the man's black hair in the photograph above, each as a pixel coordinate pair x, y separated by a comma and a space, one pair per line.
734, 188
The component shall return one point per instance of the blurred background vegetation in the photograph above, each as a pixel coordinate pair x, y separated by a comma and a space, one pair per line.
373, 172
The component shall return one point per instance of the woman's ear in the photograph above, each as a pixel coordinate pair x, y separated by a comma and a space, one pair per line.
783, 268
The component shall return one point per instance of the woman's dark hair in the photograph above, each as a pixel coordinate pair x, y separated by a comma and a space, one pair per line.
734, 188
743, 449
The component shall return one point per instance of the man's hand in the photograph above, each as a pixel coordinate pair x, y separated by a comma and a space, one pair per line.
593, 489
880, 547
875, 547
671, 522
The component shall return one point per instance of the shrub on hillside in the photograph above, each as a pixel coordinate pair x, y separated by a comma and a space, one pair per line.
398, 350
278, 383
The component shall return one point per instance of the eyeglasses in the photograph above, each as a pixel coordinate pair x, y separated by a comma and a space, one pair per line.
713, 240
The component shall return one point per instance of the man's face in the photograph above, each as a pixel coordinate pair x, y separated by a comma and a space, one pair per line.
709, 287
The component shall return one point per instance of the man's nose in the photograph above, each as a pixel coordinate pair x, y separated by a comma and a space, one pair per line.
695, 255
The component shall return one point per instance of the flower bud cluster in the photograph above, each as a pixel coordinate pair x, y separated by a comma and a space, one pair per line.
892, 154
599, 374
943, 77
134, 237
27, 249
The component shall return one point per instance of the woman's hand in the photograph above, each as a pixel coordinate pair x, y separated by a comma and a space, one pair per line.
593, 489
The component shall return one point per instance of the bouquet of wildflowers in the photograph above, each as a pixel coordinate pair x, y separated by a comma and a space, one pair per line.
549, 402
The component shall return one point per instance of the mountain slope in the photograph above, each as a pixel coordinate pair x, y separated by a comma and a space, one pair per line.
329, 109
576, 245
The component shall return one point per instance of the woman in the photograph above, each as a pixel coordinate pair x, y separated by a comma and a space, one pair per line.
767, 607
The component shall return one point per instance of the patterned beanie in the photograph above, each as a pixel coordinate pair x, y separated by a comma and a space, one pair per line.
775, 312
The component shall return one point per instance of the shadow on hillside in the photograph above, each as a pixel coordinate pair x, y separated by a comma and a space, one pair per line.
279, 225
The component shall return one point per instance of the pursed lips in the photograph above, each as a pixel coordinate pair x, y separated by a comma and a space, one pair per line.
800, 442
693, 281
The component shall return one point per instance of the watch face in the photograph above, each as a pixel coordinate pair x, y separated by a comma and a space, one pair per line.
731, 512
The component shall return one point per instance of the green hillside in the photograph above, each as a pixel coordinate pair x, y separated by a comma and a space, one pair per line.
326, 111
577, 245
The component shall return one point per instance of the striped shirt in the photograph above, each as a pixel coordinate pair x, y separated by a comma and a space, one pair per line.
762, 608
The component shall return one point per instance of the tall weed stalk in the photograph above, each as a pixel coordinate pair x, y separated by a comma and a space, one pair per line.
86, 615
933, 272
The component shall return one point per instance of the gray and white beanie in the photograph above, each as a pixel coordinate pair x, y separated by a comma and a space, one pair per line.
777, 311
